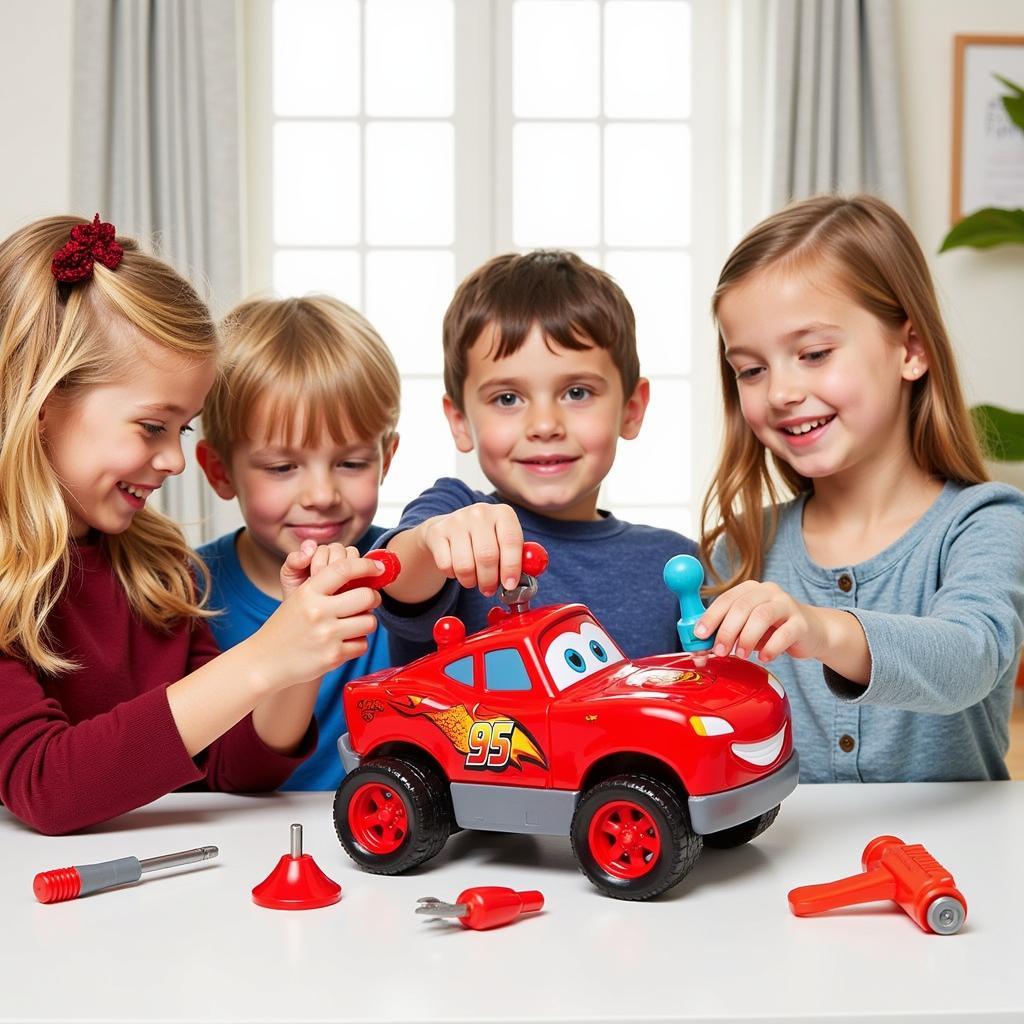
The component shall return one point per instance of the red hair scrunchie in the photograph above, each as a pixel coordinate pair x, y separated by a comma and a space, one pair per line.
89, 244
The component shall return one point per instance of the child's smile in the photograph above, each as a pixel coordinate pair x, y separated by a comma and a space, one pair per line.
822, 382
545, 422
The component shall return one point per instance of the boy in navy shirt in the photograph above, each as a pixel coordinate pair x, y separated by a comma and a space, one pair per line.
300, 427
542, 379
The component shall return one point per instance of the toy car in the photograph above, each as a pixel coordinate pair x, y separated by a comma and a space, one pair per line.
539, 724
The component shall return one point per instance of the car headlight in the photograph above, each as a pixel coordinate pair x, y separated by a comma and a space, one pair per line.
708, 725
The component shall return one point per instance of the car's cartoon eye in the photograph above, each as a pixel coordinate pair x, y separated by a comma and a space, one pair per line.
575, 660
576, 654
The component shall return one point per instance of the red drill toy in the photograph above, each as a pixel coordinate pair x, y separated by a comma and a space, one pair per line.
484, 906
893, 870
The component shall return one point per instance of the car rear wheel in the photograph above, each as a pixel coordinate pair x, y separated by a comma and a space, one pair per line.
632, 837
391, 815
742, 833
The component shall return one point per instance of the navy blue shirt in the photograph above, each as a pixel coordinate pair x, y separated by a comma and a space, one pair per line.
611, 566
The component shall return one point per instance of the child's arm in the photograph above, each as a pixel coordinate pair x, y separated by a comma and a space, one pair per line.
959, 639
480, 546
762, 617
314, 631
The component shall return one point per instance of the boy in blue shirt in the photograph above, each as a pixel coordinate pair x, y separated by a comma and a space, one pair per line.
542, 378
300, 428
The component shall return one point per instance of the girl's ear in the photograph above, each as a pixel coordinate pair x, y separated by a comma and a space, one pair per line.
635, 409
459, 425
915, 358
216, 471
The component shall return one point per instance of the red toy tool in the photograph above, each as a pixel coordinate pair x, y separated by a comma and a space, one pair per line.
296, 883
893, 870
392, 567
70, 883
484, 906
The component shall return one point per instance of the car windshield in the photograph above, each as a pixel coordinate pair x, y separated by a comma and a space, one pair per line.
577, 648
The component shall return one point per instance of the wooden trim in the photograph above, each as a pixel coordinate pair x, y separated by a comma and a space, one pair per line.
960, 44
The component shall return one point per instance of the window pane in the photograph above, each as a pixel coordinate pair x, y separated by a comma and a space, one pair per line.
656, 466
504, 670
303, 271
646, 59
426, 450
647, 184
316, 183
316, 57
657, 285
555, 66
410, 58
410, 184
555, 184
406, 296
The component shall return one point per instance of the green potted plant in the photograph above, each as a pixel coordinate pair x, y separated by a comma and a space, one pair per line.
1002, 430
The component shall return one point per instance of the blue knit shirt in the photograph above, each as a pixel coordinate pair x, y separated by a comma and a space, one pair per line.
609, 565
943, 612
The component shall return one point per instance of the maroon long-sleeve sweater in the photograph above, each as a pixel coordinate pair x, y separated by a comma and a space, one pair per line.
99, 741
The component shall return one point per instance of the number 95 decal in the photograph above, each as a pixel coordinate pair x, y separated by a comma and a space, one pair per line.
490, 744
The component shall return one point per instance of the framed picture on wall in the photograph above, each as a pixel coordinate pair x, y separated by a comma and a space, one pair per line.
988, 148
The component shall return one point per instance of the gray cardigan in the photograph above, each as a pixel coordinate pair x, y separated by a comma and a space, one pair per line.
943, 612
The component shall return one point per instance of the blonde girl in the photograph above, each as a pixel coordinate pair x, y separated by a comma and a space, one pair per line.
882, 556
111, 690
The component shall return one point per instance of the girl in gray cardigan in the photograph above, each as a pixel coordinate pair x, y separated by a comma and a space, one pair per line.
888, 594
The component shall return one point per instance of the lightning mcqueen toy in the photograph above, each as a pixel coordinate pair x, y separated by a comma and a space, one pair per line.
540, 724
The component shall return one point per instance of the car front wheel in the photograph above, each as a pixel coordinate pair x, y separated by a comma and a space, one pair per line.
391, 815
632, 837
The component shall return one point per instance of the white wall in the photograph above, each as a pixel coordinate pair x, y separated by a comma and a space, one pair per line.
35, 110
981, 291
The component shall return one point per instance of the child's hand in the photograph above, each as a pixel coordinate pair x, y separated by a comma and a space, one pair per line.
310, 559
316, 629
762, 617
480, 546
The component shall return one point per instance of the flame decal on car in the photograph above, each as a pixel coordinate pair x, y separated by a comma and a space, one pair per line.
490, 742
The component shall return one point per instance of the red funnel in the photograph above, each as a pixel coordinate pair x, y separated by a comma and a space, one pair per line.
296, 883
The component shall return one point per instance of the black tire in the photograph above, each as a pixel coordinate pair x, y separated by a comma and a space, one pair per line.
421, 800
679, 845
742, 833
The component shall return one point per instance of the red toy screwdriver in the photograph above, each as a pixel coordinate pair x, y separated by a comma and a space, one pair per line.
484, 906
70, 883
893, 870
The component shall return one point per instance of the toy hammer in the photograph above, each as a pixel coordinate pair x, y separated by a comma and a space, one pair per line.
893, 870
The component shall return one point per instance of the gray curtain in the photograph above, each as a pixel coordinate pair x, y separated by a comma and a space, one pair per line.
156, 151
834, 99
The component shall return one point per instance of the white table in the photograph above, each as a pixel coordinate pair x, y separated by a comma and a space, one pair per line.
190, 945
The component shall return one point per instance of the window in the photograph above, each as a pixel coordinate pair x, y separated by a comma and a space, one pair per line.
400, 143
504, 671
461, 671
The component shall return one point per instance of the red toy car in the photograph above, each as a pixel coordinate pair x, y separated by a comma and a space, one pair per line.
540, 724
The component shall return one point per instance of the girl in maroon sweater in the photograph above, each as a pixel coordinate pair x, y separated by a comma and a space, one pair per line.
112, 691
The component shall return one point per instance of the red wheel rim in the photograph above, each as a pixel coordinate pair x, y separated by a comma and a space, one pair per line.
377, 818
624, 839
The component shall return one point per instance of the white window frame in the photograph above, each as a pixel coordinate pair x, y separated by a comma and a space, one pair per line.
725, 172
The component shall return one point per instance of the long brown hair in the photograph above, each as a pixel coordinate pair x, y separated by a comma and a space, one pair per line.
874, 257
57, 338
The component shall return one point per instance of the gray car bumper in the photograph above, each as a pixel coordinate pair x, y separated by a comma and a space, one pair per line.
733, 807
349, 758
